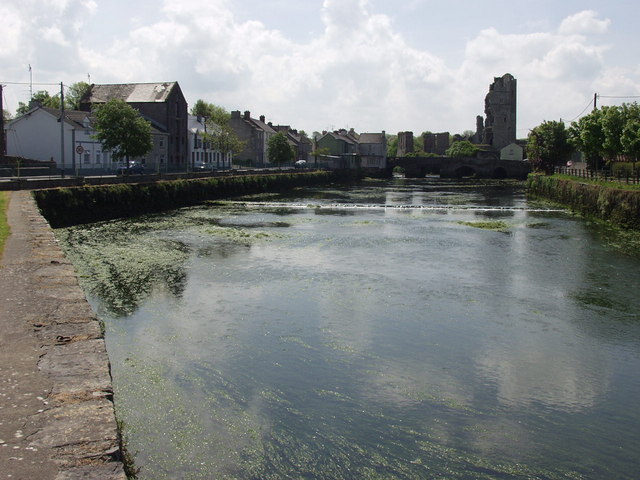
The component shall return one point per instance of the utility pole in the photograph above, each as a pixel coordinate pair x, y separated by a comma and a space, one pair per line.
62, 127
3, 145
595, 101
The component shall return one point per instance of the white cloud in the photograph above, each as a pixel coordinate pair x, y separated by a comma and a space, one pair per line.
357, 71
585, 22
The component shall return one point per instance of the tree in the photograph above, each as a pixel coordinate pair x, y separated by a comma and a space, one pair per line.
548, 145
6, 115
587, 136
121, 129
41, 97
223, 139
278, 149
613, 120
392, 145
210, 111
75, 94
463, 148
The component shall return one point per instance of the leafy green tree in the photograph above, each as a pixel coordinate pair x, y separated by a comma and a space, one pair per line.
74, 94
121, 129
548, 145
278, 149
223, 138
210, 111
587, 136
613, 120
41, 97
6, 115
392, 145
463, 148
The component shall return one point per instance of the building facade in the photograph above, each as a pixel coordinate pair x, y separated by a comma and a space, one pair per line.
255, 134
163, 104
37, 135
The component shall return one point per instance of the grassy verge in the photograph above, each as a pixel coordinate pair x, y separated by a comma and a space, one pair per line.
4, 226
608, 184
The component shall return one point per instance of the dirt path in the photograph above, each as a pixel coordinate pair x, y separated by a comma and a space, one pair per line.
56, 412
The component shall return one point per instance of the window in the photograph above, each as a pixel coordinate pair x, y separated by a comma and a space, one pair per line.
87, 158
98, 157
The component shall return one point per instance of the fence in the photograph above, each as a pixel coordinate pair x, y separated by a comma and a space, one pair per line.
603, 175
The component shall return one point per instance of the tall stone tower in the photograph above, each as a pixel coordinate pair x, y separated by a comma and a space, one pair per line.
500, 111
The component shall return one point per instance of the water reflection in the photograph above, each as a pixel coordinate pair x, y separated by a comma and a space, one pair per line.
357, 340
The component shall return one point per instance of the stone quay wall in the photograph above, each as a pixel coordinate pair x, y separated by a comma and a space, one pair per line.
56, 399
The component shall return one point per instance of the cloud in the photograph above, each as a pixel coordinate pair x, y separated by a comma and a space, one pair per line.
357, 71
584, 22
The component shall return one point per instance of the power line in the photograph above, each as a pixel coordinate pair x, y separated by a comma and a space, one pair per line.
622, 96
28, 83
584, 110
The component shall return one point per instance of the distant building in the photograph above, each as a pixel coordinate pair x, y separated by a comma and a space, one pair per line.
513, 151
256, 134
342, 147
300, 144
372, 148
405, 143
437, 143
163, 104
500, 110
37, 135
201, 155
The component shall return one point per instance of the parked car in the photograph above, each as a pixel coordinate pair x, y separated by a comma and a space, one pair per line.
200, 166
134, 167
300, 164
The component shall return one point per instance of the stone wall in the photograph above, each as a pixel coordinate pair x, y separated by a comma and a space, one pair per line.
54, 362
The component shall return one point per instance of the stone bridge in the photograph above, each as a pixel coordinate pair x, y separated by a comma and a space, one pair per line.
447, 167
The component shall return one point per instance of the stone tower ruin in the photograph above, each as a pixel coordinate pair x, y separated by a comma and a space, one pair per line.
500, 111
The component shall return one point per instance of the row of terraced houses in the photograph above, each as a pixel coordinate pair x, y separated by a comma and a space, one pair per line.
177, 136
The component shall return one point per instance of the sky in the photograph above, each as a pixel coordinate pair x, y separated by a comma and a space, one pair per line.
371, 65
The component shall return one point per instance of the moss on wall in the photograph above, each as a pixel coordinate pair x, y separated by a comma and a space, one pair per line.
616, 205
64, 207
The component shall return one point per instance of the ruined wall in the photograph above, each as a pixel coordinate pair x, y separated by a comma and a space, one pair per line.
500, 111
405, 143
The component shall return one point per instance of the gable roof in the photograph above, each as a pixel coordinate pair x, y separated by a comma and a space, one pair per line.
376, 138
130, 92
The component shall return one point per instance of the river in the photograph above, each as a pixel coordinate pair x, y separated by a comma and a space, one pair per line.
393, 329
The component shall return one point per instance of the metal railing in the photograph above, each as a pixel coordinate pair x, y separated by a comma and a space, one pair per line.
602, 175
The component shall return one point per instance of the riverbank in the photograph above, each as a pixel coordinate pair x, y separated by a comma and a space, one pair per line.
56, 398
608, 202
71, 206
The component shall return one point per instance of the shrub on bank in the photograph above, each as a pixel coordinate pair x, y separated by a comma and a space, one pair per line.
71, 206
617, 205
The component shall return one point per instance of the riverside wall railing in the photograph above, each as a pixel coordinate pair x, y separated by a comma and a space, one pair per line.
602, 175
55, 179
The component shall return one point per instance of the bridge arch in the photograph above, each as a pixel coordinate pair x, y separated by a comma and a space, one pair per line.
500, 173
464, 171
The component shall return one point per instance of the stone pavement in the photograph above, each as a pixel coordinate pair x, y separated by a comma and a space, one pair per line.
57, 417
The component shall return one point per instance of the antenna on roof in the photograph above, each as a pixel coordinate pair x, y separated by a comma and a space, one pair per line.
30, 83
89, 78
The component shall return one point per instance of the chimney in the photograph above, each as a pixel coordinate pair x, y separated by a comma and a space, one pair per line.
235, 114
247, 115
262, 118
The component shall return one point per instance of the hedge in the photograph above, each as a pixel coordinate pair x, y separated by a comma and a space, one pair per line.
64, 207
618, 206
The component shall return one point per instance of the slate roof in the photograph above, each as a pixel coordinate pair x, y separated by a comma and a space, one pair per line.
74, 117
371, 138
130, 92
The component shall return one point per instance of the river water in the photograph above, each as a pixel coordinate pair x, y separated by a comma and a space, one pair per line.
399, 329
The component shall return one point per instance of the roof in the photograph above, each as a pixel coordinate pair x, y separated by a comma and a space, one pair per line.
130, 92
262, 126
74, 117
371, 138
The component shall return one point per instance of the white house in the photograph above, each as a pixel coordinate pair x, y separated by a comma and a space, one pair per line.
37, 135
200, 152
513, 151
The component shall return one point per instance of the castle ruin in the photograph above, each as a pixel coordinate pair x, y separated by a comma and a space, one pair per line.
499, 129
